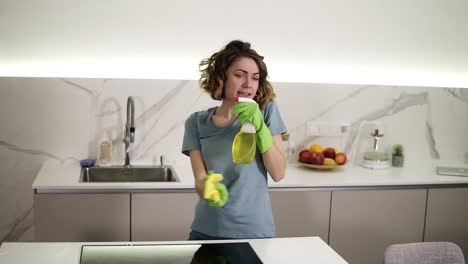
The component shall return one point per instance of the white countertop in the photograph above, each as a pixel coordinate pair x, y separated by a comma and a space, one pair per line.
275, 250
57, 176
416, 174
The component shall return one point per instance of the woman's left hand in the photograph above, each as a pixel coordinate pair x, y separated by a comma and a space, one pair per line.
250, 112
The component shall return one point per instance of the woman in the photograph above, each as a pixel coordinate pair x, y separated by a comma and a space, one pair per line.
235, 71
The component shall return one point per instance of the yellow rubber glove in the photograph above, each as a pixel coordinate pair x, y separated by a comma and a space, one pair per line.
215, 192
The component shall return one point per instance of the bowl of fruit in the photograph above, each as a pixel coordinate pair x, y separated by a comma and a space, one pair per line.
322, 159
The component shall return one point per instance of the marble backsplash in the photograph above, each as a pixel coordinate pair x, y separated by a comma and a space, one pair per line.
53, 118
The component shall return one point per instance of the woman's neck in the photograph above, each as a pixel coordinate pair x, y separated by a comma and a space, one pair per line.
224, 110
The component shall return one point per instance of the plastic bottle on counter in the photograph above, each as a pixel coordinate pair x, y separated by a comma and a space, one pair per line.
104, 157
289, 148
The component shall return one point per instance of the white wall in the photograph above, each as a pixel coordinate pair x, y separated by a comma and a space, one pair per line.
59, 119
405, 42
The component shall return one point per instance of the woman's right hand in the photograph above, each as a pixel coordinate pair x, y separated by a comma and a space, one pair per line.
200, 187
199, 171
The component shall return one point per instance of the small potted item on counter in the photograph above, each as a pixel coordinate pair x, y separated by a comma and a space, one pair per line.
398, 159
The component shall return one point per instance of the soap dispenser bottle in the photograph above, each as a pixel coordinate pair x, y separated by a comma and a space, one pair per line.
104, 157
289, 148
244, 145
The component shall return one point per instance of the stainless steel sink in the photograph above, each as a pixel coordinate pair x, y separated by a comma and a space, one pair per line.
131, 174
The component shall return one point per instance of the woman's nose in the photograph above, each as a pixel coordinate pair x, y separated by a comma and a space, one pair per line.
248, 82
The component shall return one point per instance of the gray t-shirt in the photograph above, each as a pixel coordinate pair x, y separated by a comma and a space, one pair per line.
248, 213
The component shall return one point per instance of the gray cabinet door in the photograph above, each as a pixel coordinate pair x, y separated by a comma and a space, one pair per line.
162, 216
301, 213
447, 217
364, 223
82, 217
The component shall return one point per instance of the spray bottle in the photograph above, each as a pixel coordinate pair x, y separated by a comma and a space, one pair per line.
244, 145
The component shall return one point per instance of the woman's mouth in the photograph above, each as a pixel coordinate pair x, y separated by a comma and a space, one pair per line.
243, 94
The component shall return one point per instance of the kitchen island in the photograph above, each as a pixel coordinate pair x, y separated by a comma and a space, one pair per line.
275, 250
351, 208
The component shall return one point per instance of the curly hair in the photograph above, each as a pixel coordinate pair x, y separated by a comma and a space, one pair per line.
214, 71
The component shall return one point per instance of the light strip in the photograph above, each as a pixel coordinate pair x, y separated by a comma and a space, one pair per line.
118, 69
187, 69
365, 75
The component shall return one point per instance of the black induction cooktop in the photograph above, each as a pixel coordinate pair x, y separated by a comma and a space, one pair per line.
213, 253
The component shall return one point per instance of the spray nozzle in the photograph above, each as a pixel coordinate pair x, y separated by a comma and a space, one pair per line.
244, 99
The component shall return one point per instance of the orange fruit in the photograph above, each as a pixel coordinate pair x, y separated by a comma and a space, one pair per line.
316, 148
340, 158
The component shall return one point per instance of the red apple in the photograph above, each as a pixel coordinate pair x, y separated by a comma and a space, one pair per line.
305, 156
340, 159
317, 158
329, 153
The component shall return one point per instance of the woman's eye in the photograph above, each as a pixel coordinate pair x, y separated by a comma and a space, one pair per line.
238, 75
256, 79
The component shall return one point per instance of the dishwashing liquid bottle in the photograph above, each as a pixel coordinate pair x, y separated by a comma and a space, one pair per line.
244, 145
104, 157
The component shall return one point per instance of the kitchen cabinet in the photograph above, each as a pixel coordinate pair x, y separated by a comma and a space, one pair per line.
447, 217
162, 216
358, 224
365, 222
82, 217
301, 213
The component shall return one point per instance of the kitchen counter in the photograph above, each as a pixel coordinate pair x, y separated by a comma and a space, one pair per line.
57, 176
275, 250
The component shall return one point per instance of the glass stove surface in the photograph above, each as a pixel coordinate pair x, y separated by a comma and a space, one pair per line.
221, 253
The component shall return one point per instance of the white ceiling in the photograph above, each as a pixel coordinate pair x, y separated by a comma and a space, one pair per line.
405, 42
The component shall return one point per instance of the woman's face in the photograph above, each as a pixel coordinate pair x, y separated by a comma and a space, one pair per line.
242, 79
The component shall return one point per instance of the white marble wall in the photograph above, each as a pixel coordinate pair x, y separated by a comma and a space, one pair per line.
431, 123
43, 118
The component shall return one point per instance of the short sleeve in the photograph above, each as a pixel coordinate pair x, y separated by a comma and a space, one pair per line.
191, 135
273, 119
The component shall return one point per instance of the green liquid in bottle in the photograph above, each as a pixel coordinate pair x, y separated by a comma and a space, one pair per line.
244, 147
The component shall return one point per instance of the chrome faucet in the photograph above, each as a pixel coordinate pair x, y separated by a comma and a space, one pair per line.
129, 136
